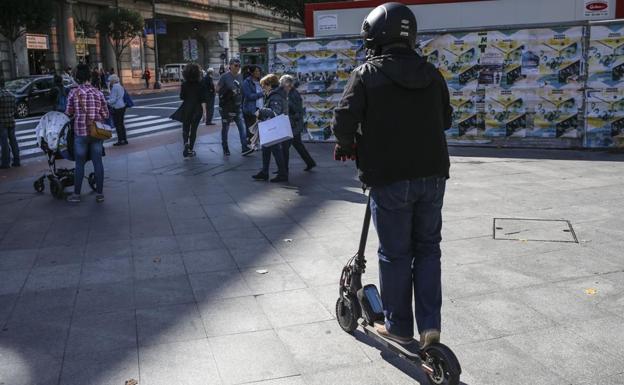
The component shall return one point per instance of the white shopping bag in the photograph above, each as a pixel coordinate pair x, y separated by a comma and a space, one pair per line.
275, 130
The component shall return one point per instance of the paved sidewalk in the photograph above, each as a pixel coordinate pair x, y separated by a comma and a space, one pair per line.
163, 282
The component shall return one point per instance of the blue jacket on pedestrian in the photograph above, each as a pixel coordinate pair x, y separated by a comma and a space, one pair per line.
250, 96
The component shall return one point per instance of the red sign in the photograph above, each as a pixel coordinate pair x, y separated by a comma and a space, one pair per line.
597, 6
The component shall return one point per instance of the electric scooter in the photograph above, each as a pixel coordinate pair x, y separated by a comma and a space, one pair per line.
363, 306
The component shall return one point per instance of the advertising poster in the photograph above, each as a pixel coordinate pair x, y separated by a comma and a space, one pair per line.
319, 112
506, 112
606, 56
556, 113
605, 118
322, 68
457, 58
467, 113
506, 47
560, 53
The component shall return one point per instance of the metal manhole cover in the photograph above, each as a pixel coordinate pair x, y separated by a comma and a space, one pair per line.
542, 230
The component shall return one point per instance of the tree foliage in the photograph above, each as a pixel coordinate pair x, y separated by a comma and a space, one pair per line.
19, 16
294, 9
120, 26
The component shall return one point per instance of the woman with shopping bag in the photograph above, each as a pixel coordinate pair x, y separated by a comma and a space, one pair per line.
275, 104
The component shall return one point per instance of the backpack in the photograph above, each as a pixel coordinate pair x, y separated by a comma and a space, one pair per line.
127, 99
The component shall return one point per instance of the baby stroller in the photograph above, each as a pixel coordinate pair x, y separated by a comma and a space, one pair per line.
55, 136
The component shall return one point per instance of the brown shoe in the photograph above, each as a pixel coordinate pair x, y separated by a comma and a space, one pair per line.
428, 337
381, 329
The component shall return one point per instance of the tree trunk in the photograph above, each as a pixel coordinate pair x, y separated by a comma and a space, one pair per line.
118, 61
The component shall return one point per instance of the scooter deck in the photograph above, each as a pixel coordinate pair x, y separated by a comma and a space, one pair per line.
411, 351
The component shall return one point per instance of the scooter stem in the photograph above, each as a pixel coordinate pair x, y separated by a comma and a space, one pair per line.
365, 228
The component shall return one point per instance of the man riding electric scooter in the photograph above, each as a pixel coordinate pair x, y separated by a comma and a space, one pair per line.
391, 120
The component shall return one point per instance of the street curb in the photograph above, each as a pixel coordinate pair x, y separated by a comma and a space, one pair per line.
151, 91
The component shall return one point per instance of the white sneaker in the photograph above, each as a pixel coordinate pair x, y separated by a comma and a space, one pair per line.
73, 198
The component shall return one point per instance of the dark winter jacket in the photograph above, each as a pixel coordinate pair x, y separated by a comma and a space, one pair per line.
401, 102
295, 111
192, 96
275, 104
250, 96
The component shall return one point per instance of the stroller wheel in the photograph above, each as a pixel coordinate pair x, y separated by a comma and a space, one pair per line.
39, 185
91, 180
56, 188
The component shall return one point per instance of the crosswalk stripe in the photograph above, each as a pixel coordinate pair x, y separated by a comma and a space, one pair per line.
154, 128
141, 118
139, 124
20, 122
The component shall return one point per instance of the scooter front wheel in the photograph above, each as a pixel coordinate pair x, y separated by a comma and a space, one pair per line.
347, 313
441, 365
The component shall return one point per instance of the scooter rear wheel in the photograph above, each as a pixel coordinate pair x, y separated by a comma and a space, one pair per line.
347, 313
442, 366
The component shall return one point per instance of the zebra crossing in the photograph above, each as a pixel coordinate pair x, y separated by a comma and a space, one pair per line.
136, 125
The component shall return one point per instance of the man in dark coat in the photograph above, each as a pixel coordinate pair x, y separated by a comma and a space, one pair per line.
392, 119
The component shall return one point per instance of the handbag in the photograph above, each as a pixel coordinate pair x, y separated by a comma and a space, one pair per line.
96, 130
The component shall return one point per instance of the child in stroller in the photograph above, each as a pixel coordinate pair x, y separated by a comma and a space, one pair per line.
55, 136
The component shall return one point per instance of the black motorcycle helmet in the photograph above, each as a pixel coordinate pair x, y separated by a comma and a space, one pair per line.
389, 23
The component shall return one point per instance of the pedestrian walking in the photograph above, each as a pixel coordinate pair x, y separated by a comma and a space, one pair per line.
103, 79
275, 104
295, 113
209, 95
230, 100
95, 78
147, 75
192, 108
87, 105
8, 141
392, 118
253, 97
118, 105
60, 94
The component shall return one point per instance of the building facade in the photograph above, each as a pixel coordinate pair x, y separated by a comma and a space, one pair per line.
203, 31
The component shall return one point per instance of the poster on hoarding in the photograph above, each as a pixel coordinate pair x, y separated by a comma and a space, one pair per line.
506, 112
491, 67
606, 56
556, 113
605, 118
560, 53
322, 68
457, 58
467, 113
509, 45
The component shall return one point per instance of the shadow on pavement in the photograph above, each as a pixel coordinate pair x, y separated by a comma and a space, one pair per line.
179, 274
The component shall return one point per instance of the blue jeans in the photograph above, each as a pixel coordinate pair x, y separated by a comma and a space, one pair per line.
8, 142
408, 218
242, 131
85, 148
278, 154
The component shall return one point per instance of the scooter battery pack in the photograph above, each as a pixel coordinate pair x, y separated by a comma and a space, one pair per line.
370, 301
